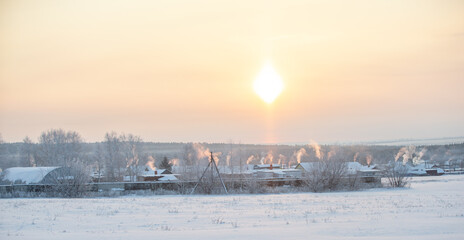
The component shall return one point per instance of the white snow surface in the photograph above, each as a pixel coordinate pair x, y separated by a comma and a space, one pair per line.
432, 208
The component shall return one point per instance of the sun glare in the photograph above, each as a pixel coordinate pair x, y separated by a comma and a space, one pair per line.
268, 85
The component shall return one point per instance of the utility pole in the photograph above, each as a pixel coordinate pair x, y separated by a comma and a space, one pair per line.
213, 166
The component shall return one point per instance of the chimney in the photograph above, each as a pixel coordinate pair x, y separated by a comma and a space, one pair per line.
156, 172
270, 166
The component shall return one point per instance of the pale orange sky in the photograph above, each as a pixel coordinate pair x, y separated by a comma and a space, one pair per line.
184, 70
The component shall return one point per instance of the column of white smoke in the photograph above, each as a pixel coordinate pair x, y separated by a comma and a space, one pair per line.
317, 149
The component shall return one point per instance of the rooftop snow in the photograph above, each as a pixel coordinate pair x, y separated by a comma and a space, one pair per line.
27, 174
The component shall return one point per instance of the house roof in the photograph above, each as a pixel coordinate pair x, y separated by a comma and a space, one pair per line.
148, 172
351, 167
262, 166
307, 166
27, 174
168, 177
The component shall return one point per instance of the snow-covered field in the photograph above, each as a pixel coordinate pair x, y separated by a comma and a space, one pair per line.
432, 208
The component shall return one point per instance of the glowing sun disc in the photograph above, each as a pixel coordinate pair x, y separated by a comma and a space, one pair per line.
268, 85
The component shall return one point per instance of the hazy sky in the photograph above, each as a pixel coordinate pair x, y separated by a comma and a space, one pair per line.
184, 70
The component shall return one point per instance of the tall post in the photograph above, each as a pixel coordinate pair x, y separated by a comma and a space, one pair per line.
213, 166
202, 175
217, 170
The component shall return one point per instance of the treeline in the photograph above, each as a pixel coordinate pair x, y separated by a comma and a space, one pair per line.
119, 155
116, 154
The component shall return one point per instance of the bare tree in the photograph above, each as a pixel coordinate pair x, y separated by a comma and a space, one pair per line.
3, 154
132, 153
113, 156
59, 148
335, 170
28, 152
192, 164
326, 174
397, 174
188, 155
98, 162
122, 153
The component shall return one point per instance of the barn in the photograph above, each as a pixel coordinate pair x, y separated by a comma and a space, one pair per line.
37, 175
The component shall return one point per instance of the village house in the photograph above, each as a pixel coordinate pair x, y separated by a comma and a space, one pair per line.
149, 174
367, 173
424, 169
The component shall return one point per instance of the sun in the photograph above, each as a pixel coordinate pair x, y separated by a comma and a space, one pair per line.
268, 85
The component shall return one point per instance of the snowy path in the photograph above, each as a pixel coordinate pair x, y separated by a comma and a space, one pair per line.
433, 208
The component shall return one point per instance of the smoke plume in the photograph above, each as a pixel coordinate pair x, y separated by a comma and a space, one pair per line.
250, 159
282, 159
317, 148
400, 153
410, 153
228, 157
268, 159
201, 151
151, 163
418, 156
368, 159
174, 161
298, 154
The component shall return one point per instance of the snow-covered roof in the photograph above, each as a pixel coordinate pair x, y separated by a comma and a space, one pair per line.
421, 169
424, 166
167, 177
307, 166
262, 166
351, 167
26, 174
417, 171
